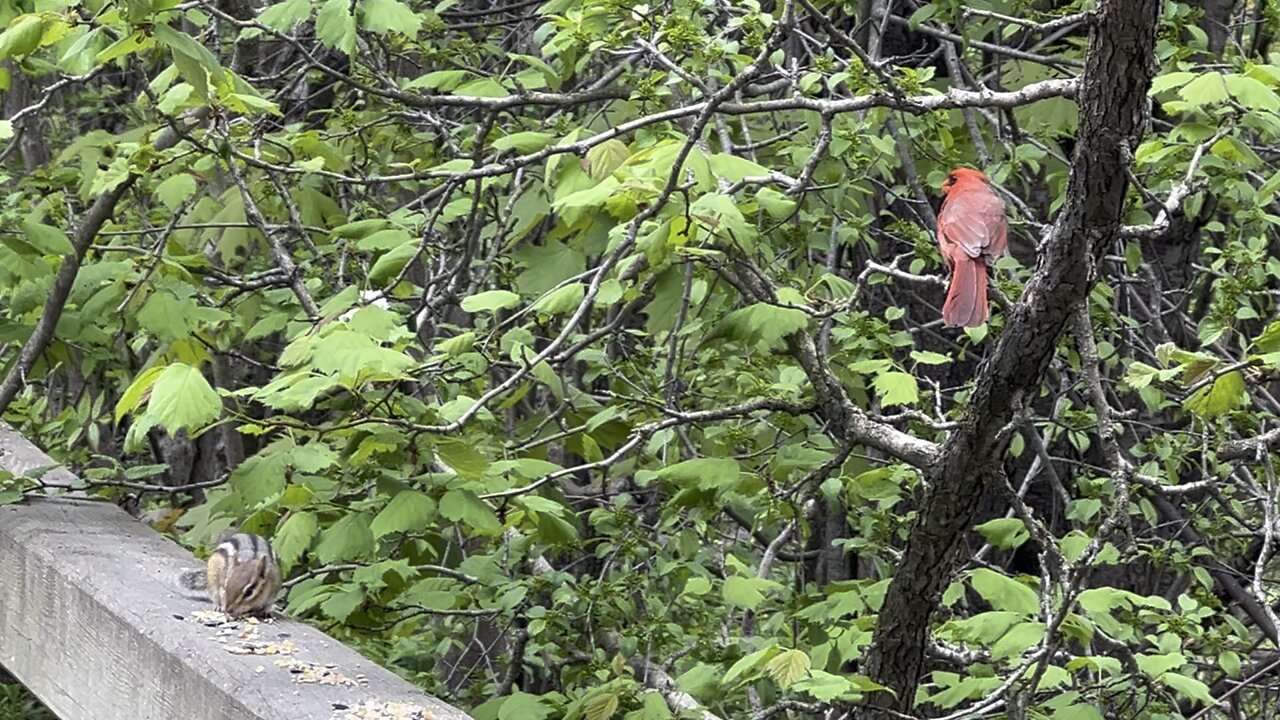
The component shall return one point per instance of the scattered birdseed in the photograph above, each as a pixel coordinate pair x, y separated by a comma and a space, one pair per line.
242, 636
380, 710
212, 618
307, 672
262, 648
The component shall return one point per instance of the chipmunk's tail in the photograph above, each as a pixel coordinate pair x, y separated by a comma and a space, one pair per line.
193, 580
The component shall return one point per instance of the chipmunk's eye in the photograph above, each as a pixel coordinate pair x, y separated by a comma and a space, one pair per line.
250, 590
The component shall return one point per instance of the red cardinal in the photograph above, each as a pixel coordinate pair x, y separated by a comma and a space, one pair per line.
973, 233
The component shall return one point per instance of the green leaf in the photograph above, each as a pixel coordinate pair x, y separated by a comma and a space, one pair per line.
294, 391
355, 358
442, 80
254, 105
1229, 661
747, 592
1054, 677
1188, 687
462, 457
732, 168
592, 197
547, 265
483, 87
490, 300
1084, 509
524, 142
341, 604
553, 528
824, 686
701, 473
23, 36
1102, 599
1156, 665
1020, 638
928, 357
456, 346
388, 267
465, 507
1233, 150
696, 586
346, 540
1224, 395
336, 27
1140, 375
523, 706
1207, 89
142, 472
362, 228
1098, 604
958, 689
383, 16
182, 399
295, 497
388, 239
182, 45
925, 12
166, 317
80, 56
1004, 533
1168, 81
653, 708
985, 627
49, 240
1252, 94
762, 322
871, 366
778, 206
175, 190
896, 388
283, 16
408, 511
562, 300
1078, 711
601, 706
789, 667
294, 537
312, 457
259, 480
124, 46
878, 484
746, 665
720, 215
606, 157
137, 390
1003, 592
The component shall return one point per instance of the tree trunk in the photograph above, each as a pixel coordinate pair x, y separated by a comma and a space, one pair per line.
1113, 107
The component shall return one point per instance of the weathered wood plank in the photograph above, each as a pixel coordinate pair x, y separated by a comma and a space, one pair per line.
93, 623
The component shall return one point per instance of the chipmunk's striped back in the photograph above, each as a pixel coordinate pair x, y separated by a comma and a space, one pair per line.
242, 576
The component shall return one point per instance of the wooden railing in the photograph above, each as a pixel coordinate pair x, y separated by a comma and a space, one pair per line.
92, 622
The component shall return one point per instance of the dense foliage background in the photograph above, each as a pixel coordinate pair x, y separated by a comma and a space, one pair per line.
583, 359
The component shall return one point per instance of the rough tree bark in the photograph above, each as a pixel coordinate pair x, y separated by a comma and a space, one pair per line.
1113, 103
33, 143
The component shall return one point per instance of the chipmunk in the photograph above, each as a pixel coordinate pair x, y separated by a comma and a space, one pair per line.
242, 576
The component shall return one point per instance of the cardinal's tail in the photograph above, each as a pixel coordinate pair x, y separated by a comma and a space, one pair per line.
967, 297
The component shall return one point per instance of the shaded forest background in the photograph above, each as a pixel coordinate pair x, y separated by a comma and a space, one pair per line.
583, 359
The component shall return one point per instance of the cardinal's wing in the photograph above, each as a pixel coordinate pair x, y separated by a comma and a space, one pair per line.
975, 222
